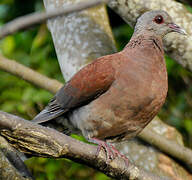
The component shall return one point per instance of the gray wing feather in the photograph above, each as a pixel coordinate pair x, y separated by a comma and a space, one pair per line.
56, 107
47, 115
61, 103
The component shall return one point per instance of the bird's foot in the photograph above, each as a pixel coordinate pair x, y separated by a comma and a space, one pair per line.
102, 144
110, 150
119, 154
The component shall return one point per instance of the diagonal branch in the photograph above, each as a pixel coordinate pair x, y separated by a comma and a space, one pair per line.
41, 141
172, 148
36, 18
11, 163
29, 75
8, 171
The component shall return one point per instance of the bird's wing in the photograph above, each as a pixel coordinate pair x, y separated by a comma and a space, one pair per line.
87, 84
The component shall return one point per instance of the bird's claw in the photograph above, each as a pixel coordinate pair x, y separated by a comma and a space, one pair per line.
111, 151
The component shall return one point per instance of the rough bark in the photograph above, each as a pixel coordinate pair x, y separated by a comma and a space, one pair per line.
37, 140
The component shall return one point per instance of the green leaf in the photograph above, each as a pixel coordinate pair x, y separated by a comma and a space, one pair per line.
8, 45
188, 125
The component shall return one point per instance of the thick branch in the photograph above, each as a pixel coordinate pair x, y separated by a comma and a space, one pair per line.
172, 148
41, 141
36, 18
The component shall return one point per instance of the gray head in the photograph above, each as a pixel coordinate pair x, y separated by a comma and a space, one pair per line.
158, 22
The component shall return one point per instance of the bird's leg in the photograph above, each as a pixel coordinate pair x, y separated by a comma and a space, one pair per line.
107, 147
110, 150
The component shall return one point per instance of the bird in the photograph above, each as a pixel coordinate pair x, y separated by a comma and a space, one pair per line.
113, 98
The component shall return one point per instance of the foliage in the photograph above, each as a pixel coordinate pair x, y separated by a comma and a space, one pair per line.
34, 48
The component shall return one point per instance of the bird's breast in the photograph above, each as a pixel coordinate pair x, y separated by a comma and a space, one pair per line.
131, 102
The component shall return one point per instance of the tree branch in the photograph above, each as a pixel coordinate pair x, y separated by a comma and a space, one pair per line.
172, 148
46, 142
13, 157
36, 18
12, 167
29, 75
54, 89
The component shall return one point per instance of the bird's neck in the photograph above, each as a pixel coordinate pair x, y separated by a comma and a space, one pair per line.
140, 40
145, 49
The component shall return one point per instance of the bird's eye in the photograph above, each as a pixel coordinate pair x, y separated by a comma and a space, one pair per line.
158, 19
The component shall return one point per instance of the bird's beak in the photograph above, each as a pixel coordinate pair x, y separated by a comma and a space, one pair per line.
175, 28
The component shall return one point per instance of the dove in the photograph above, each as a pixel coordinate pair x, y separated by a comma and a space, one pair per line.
113, 98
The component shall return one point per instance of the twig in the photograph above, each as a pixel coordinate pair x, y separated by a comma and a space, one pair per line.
37, 140
184, 154
36, 18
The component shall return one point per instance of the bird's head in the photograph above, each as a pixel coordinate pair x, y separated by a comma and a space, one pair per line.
158, 22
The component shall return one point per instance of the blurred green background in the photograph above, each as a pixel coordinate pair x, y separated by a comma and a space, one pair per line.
34, 48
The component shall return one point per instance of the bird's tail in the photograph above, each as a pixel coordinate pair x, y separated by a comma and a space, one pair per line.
47, 115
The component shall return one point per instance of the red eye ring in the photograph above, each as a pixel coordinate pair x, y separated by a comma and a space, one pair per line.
159, 19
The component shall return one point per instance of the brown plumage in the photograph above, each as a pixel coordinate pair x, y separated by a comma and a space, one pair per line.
117, 95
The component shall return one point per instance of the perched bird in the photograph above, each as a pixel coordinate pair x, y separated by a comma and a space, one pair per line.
116, 96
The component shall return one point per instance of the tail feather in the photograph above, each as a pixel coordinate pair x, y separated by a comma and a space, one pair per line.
47, 115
